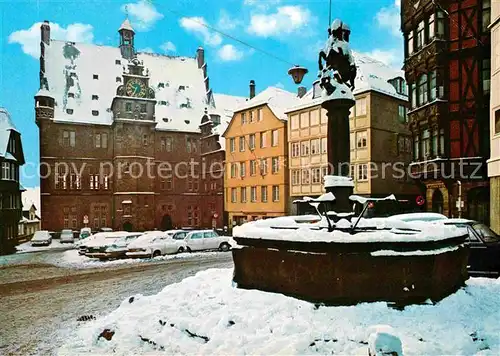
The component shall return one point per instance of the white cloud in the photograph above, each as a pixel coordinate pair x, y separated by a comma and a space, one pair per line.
261, 4
229, 53
279, 85
391, 57
389, 18
168, 47
146, 50
197, 25
29, 39
227, 22
286, 20
143, 14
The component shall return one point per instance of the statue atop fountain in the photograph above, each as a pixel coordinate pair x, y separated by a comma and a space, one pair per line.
337, 78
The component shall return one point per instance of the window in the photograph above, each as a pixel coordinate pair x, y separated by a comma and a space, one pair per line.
118, 62
263, 142
260, 114
422, 89
243, 118
145, 140
95, 76
6, 170
295, 149
352, 171
403, 117
361, 141
234, 170
252, 116
253, 167
243, 194
276, 193
233, 195
497, 121
361, 107
431, 27
294, 122
316, 175
410, 42
128, 107
95, 113
426, 143
69, 111
413, 91
69, 138
324, 171
263, 194
441, 142
232, 145
362, 172
98, 140
304, 148
263, 166
416, 148
253, 194
432, 84
314, 117
440, 18
304, 120
143, 108
486, 15
435, 138
305, 176
251, 143
295, 177
486, 75
104, 140
95, 97
71, 95
242, 144
324, 145
315, 146
275, 165
118, 79
274, 138
243, 169
420, 35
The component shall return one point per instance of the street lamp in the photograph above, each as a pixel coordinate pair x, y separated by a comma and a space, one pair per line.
297, 72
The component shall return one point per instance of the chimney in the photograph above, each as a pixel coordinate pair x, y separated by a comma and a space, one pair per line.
200, 56
252, 88
45, 30
301, 92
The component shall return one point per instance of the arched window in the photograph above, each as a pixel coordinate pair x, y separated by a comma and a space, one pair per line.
422, 89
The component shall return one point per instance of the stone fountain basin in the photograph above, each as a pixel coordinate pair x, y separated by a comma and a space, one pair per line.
343, 273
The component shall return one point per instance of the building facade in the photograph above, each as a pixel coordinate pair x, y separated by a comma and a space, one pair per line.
11, 159
380, 140
447, 66
121, 137
494, 161
256, 178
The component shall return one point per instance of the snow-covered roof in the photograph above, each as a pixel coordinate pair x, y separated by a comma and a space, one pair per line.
277, 99
6, 126
31, 196
371, 75
76, 72
225, 106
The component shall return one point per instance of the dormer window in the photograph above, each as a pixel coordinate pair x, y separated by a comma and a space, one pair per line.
95, 113
71, 95
118, 79
95, 76
166, 119
69, 111
161, 85
182, 87
400, 85
95, 97
12, 146
118, 62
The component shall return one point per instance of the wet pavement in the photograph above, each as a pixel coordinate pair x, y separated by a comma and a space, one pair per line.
40, 303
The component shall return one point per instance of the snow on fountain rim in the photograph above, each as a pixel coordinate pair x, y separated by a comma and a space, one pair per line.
290, 228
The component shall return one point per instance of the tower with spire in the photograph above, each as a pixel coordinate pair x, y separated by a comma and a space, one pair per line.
127, 39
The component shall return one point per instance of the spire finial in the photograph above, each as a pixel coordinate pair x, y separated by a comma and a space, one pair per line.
126, 11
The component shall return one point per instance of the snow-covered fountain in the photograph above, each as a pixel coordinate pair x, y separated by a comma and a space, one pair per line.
335, 257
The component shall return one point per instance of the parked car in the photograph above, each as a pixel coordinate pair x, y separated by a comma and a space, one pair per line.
91, 240
484, 243
199, 240
41, 238
118, 247
66, 236
409, 217
158, 243
85, 232
98, 247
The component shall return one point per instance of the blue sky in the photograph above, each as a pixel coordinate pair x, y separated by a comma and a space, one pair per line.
292, 30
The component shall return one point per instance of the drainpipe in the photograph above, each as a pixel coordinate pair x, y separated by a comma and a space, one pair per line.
459, 199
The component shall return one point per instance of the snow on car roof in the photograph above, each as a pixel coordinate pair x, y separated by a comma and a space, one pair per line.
418, 216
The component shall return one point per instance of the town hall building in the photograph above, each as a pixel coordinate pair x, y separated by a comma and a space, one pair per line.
128, 140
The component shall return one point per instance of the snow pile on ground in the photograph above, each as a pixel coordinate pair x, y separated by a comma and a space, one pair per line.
387, 230
55, 245
206, 315
71, 259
